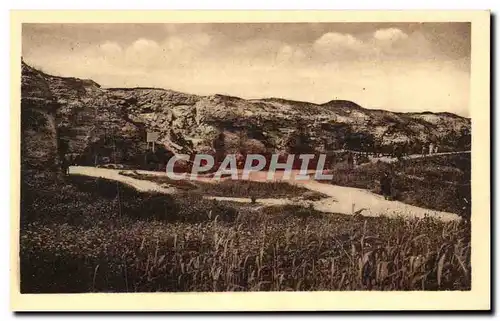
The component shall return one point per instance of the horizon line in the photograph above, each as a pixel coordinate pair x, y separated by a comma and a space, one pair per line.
238, 97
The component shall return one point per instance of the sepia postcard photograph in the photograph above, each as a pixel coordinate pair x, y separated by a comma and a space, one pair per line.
242, 161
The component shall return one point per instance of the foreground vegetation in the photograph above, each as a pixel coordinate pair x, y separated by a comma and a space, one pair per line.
440, 183
95, 235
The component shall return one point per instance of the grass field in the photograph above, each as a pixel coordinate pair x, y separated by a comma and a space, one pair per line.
89, 234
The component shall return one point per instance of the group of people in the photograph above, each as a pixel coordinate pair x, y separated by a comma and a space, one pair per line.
433, 149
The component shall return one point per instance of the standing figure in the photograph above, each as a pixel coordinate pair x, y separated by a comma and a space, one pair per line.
65, 163
350, 160
386, 185
431, 148
404, 149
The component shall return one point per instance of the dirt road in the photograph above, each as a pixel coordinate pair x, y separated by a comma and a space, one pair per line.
114, 174
344, 200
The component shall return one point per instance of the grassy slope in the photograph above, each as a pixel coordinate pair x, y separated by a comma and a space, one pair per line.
95, 235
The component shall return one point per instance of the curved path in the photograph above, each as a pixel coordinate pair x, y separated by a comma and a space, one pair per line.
349, 200
114, 174
344, 200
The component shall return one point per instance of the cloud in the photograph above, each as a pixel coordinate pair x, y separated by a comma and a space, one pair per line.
289, 54
389, 35
111, 48
380, 45
193, 42
184, 49
334, 42
394, 67
143, 44
142, 53
147, 54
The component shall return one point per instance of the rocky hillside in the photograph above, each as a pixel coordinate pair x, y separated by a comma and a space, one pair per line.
39, 133
78, 116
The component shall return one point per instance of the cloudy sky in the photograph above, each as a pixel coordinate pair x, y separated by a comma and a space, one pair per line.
393, 66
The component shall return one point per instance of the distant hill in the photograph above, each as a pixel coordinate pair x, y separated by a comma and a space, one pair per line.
70, 115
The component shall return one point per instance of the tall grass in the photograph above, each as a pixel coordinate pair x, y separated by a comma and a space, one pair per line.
94, 242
